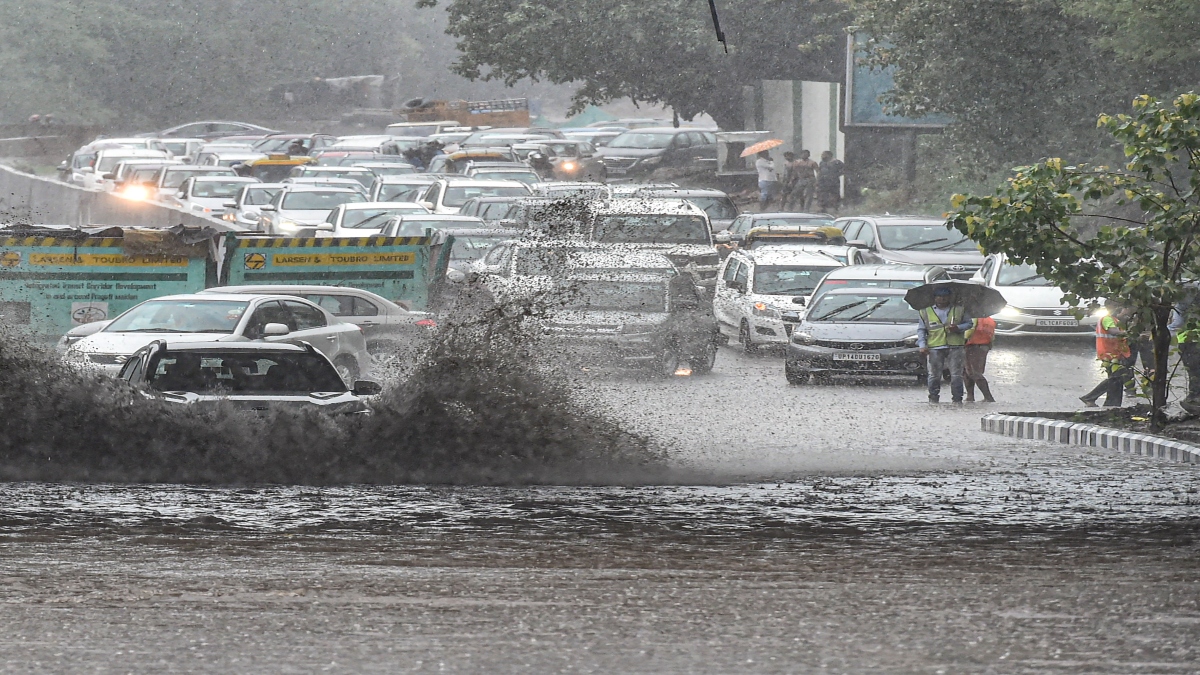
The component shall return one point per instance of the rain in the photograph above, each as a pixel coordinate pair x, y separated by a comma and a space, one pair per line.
835, 336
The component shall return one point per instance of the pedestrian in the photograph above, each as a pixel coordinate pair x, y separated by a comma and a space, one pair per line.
829, 182
979, 343
789, 178
806, 182
1117, 359
296, 148
941, 335
1189, 345
768, 180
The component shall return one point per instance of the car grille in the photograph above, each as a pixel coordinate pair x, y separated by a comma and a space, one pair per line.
859, 345
619, 162
1058, 312
962, 271
1030, 328
108, 359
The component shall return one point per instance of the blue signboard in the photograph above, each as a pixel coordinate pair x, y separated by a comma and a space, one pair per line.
865, 87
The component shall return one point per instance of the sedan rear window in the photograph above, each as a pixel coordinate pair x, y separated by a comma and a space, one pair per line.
212, 189
644, 141
319, 201
457, 196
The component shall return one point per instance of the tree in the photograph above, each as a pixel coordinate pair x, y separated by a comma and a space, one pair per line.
1128, 233
1020, 77
662, 52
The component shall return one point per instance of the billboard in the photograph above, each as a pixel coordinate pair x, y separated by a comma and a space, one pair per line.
865, 87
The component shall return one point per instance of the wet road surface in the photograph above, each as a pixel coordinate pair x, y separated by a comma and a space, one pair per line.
831, 529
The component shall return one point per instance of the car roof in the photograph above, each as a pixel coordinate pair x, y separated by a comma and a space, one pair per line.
413, 178
776, 256
197, 167
683, 193
305, 187
889, 219
270, 185
382, 165
438, 216
789, 214
654, 206
285, 289
377, 205
210, 297
127, 151
331, 169
479, 182
882, 272
224, 179
858, 290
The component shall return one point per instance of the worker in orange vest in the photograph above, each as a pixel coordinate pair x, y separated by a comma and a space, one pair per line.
979, 343
1112, 349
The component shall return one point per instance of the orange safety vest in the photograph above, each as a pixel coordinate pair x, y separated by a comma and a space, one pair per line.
983, 332
1109, 348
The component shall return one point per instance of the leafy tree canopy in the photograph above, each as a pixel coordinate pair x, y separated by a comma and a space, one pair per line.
662, 52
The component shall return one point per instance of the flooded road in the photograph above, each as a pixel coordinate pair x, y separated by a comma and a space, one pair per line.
825, 529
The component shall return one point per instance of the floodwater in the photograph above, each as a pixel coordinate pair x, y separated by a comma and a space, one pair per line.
830, 529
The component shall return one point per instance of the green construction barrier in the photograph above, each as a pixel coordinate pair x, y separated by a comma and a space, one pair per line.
49, 285
400, 269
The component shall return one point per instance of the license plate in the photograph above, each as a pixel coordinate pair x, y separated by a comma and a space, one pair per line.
855, 356
1057, 322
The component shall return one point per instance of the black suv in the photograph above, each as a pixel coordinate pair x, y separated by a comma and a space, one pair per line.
637, 152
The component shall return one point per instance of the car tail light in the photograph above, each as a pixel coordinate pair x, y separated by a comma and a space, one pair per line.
427, 323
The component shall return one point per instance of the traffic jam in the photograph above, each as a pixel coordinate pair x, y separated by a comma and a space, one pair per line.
334, 261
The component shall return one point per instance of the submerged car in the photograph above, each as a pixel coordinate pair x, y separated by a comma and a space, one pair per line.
858, 331
252, 376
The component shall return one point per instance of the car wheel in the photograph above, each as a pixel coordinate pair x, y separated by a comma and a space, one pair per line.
668, 363
347, 369
703, 364
793, 374
748, 347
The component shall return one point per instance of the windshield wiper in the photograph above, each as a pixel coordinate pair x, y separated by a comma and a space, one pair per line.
922, 243
839, 310
790, 291
829, 255
863, 315
1022, 280
950, 245
153, 330
359, 224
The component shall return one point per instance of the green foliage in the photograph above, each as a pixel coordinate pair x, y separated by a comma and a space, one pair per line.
1021, 77
1127, 233
662, 52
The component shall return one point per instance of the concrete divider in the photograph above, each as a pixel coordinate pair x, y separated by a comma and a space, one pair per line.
1090, 436
34, 199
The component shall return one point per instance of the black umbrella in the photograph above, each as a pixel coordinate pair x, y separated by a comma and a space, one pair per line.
978, 300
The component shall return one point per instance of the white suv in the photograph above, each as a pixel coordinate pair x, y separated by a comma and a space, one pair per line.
761, 295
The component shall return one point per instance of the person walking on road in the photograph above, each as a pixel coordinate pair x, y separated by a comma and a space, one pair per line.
941, 335
805, 171
829, 182
1112, 349
979, 343
768, 180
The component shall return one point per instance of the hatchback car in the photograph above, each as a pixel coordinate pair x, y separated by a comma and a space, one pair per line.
1035, 306
301, 207
210, 129
760, 296
243, 209
204, 317
251, 376
880, 276
856, 331
910, 240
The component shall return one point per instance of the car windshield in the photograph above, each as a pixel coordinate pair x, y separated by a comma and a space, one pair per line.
651, 229
143, 175
259, 196
628, 296
181, 316
933, 237
319, 201
107, 164
396, 169
641, 140
536, 261
279, 373
173, 178
1020, 275
415, 227
216, 188
873, 282
863, 307
352, 173
271, 173
787, 279
375, 219
457, 196
400, 192
523, 176
176, 148
792, 222
268, 146
473, 248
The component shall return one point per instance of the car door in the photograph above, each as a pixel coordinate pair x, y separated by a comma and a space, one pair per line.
679, 151
724, 293
311, 326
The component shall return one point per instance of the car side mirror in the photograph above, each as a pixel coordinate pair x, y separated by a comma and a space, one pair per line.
859, 244
63, 165
428, 205
273, 329
108, 176
723, 237
230, 205
324, 227
798, 301
181, 194
267, 207
366, 388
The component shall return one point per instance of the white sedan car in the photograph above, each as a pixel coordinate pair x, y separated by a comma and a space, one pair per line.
224, 318
301, 207
207, 195
1035, 306
364, 219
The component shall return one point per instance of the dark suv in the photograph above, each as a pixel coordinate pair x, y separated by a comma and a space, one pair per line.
639, 151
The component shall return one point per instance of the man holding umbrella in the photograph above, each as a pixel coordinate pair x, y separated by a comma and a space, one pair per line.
941, 335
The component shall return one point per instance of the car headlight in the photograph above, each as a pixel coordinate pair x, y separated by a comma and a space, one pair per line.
761, 309
650, 161
910, 341
803, 338
569, 166
1009, 310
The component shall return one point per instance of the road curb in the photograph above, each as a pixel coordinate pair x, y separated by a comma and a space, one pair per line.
1090, 436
